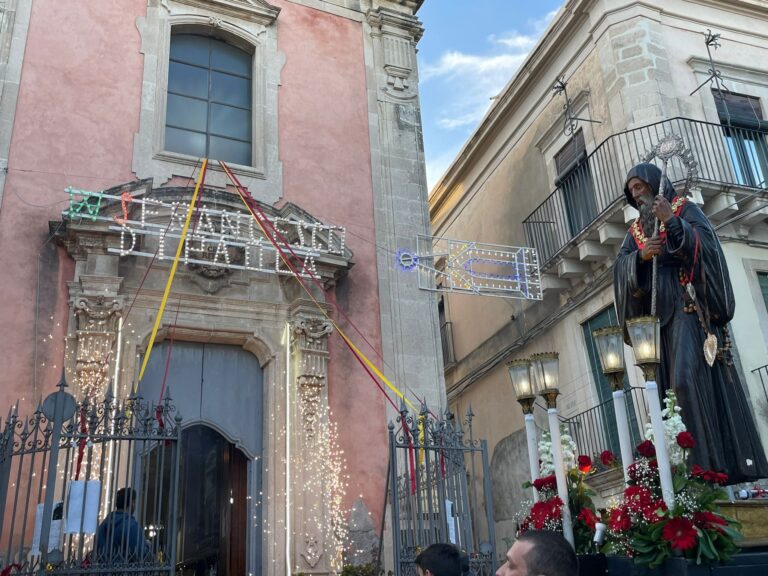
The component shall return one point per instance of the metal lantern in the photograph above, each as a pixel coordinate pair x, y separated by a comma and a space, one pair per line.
545, 369
610, 348
520, 374
645, 334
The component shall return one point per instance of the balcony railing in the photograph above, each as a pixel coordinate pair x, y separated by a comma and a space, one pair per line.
725, 155
595, 430
762, 372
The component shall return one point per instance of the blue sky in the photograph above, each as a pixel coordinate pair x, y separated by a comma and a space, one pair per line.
469, 51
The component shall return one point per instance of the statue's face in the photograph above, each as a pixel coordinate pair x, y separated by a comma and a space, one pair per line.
640, 191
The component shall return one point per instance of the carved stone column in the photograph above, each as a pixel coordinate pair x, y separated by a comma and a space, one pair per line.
314, 544
97, 308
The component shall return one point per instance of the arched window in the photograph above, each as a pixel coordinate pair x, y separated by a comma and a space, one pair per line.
208, 111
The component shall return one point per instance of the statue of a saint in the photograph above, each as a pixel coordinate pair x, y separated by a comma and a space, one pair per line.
694, 300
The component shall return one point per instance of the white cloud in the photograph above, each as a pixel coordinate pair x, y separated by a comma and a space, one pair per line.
463, 85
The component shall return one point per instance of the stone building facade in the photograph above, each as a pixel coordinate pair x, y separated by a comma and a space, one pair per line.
532, 176
99, 96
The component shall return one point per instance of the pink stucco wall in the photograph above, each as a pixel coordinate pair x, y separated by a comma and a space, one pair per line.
325, 150
77, 113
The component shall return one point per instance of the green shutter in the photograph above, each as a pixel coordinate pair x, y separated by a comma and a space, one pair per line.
762, 277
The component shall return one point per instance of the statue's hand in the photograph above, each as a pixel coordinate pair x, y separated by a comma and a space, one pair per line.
662, 209
652, 248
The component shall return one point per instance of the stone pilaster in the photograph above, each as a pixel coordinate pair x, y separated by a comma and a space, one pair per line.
313, 542
409, 324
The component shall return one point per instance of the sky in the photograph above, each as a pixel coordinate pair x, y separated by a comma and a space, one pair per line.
469, 51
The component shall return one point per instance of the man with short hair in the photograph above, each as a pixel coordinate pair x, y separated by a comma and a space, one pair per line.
442, 560
119, 538
540, 553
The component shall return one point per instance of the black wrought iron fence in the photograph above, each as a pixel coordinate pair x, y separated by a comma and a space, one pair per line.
90, 487
725, 154
434, 491
595, 430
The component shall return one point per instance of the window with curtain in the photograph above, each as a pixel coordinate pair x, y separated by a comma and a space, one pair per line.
745, 132
208, 111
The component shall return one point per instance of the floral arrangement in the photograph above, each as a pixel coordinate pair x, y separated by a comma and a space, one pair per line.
641, 525
547, 512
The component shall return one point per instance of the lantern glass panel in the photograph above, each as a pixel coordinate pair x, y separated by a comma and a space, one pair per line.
610, 347
645, 332
520, 374
545, 368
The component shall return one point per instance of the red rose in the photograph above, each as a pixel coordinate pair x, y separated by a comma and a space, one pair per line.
585, 464
588, 517
685, 440
680, 533
646, 449
545, 483
608, 458
619, 520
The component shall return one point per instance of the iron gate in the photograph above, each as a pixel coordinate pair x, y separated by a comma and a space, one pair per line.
435, 490
60, 472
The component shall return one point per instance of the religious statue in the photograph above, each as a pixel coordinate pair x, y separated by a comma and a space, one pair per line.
695, 302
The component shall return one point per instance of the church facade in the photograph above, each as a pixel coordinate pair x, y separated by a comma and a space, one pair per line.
543, 174
108, 109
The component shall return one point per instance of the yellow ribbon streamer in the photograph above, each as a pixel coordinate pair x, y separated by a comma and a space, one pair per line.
175, 265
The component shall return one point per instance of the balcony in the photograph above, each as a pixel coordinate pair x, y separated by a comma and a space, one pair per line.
582, 219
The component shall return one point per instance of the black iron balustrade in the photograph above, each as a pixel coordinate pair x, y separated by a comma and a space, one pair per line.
762, 373
594, 430
725, 155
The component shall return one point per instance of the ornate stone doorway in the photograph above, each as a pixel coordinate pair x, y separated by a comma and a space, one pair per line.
220, 389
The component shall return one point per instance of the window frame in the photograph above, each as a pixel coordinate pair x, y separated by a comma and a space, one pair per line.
248, 29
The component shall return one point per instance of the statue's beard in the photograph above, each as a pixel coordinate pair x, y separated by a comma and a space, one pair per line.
647, 219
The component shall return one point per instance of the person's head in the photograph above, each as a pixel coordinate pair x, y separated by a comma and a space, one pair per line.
125, 499
540, 553
441, 560
640, 189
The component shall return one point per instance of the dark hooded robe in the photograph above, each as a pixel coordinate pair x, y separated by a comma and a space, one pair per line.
714, 406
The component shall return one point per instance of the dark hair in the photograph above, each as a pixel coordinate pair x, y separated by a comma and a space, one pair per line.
550, 554
124, 498
443, 560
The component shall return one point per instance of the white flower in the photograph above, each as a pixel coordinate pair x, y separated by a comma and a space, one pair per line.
568, 449
673, 425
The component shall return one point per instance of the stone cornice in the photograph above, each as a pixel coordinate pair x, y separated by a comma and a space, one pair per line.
387, 21
257, 11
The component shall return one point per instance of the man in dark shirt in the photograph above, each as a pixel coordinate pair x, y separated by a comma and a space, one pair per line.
119, 538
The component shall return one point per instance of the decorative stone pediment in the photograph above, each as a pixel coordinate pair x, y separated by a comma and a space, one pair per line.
257, 11
137, 220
